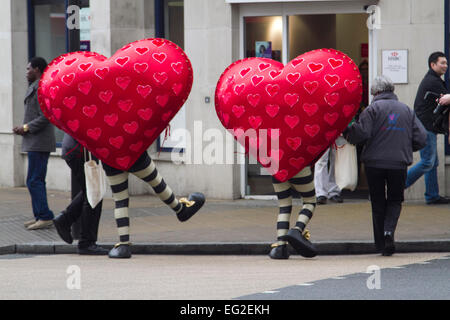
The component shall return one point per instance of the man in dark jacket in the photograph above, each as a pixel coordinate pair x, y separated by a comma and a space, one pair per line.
390, 132
38, 140
428, 163
74, 155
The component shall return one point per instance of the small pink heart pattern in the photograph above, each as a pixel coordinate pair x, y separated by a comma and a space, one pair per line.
304, 105
117, 107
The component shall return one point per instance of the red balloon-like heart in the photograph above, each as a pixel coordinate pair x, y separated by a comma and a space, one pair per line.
286, 116
117, 107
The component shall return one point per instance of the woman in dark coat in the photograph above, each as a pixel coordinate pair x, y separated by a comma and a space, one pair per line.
391, 132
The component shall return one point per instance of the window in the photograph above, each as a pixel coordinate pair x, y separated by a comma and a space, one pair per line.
447, 52
169, 21
48, 36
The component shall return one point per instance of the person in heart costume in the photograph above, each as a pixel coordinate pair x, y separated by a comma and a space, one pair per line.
286, 117
116, 108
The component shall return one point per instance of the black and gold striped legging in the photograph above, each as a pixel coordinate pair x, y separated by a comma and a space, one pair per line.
145, 169
303, 183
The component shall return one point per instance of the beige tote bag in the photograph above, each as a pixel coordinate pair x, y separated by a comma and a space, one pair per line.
95, 181
346, 167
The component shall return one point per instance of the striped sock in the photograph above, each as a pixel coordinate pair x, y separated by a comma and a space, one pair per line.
283, 191
119, 188
147, 171
303, 183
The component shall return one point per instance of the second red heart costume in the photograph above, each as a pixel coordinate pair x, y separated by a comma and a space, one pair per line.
305, 105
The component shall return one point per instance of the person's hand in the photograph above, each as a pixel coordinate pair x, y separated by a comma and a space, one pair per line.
444, 100
19, 130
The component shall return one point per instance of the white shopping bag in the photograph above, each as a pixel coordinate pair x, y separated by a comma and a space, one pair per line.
346, 167
95, 181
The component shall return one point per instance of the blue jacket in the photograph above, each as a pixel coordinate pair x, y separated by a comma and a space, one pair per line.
390, 131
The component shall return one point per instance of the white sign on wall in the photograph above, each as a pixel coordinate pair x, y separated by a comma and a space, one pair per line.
395, 65
177, 140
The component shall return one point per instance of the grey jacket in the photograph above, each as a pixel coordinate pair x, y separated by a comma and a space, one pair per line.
390, 131
41, 134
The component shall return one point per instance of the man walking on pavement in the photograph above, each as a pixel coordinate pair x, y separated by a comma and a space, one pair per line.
38, 141
74, 155
427, 166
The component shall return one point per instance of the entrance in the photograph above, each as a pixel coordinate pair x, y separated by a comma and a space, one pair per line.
283, 38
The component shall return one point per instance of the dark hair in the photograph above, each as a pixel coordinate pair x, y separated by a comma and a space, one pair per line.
38, 62
434, 57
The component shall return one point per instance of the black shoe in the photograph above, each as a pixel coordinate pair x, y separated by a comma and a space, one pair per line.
279, 252
189, 209
120, 251
300, 243
63, 228
440, 200
93, 250
389, 246
337, 199
321, 200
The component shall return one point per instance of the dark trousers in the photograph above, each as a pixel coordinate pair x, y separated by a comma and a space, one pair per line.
37, 171
80, 208
386, 187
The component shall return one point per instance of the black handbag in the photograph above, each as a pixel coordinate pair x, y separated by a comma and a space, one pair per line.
440, 119
440, 113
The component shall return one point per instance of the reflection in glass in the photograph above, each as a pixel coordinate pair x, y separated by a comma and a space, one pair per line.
263, 37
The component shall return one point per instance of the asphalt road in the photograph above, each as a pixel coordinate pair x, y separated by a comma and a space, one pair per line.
423, 280
176, 277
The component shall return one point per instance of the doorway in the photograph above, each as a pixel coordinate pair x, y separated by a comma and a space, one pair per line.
284, 37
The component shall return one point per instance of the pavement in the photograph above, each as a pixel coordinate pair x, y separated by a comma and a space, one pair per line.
225, 227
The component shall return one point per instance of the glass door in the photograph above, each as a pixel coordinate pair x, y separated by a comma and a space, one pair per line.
284, 37
263, 38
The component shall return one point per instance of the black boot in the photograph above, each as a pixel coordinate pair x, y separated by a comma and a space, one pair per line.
63, 227
190, 206
92, 250
120, 251
300, 243
279, 252
389, 245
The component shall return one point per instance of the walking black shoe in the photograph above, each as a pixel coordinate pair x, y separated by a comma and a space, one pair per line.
93, 250
190, 206
120, 251
321, 200
440, 200
300, 243
279, 251
63, 228
389, 245
337, 199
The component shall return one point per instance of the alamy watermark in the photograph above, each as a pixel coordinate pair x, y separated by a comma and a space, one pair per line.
73, 281
215, 146
374, 19
374, 281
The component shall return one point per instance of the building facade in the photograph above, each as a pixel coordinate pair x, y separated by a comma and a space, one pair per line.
214, 34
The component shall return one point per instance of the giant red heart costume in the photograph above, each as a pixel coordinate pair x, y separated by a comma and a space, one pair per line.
305, 105
117, 107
